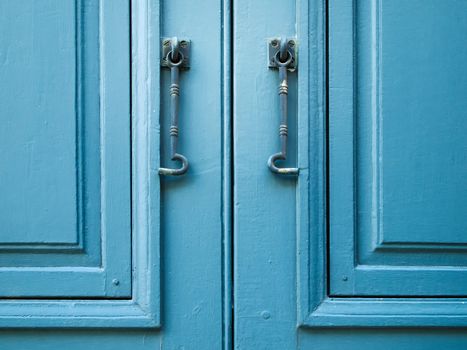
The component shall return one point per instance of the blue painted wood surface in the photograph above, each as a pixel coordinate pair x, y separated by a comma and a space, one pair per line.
397, 148
178, 292
193, 207
264, 211
179, 285
317, 308
279, 238
65, 212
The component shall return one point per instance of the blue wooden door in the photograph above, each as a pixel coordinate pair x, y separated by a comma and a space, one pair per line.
366, 247
361, 246
97, 250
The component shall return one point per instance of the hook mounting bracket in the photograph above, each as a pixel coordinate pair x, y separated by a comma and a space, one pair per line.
184, 48
274, 46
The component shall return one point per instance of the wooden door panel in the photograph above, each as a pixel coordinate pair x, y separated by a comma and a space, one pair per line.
398, 151
65, 209
40, 129
49, 178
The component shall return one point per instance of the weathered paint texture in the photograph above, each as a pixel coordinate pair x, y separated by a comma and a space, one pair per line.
365, 248
86, 221
361, 250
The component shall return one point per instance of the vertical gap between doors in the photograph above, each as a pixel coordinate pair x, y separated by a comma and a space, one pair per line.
327, 216
228, 168
232, 165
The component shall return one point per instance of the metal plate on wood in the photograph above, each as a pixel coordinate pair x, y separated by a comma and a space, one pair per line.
184, 49
273, 50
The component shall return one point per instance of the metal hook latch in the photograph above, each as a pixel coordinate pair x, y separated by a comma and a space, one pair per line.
282, 56
175, 55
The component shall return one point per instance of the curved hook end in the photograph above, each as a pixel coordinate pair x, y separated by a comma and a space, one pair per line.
281, 171
176, 172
